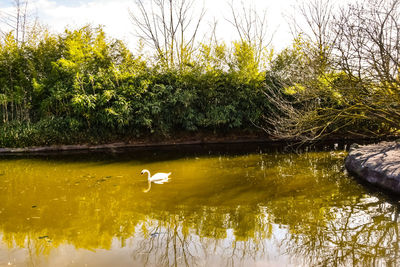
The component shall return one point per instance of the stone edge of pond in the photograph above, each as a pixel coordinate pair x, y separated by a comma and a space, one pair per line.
122, 145
150, 144
377, 164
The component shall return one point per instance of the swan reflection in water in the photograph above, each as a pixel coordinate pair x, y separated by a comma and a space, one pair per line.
158, 178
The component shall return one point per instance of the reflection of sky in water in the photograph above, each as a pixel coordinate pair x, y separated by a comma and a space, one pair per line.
256, 209
136, 250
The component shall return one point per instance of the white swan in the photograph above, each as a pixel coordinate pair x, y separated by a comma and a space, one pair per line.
158, 178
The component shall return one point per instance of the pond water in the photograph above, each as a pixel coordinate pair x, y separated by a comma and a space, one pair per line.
219, 209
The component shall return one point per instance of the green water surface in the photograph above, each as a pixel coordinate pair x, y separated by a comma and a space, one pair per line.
218, 209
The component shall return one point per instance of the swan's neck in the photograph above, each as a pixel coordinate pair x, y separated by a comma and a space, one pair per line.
148, 174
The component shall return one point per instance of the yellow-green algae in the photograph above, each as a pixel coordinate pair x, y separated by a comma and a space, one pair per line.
273, 208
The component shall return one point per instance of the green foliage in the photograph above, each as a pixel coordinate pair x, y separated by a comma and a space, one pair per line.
313, 99
45, 132
80, 86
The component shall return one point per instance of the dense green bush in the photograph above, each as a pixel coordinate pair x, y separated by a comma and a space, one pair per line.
81, 86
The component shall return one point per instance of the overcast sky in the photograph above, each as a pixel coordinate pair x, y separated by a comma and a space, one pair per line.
113, 14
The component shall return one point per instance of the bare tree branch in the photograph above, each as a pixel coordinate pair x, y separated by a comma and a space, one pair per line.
350, 78
21, 21
251, 26
170, 27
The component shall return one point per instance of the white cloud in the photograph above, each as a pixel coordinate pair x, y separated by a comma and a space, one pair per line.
113, 14
275, 10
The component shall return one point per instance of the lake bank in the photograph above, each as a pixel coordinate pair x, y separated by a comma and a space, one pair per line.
189, 141
377, 164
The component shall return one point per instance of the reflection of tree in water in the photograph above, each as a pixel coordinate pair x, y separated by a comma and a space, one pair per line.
203, 238
363, 232
230, 218
167, 244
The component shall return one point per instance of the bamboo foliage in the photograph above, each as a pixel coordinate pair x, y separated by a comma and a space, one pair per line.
80, 84
338, 78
